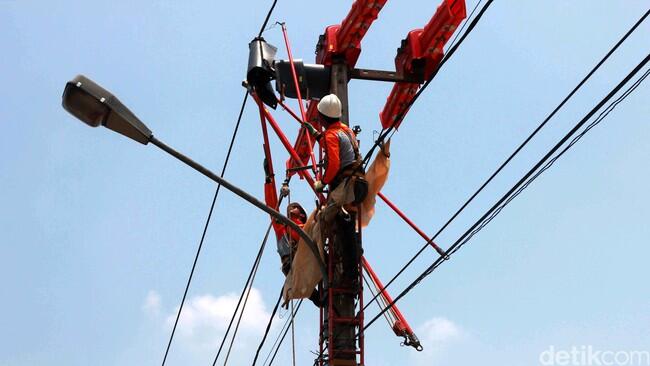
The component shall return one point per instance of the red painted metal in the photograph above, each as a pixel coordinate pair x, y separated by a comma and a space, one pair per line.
420, 54
270, 188
297, 86
302, 141
411, 223
304, 136
287, 145
401, 326
345, 39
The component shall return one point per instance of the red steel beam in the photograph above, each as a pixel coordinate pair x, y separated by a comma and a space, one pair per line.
345, 39
421, 53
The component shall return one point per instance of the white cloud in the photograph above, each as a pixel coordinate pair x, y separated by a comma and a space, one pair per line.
440, 331
437, 335
151, 303
205, 318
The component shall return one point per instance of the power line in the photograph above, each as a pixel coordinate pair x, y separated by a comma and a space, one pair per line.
245, 293
205, 228
283, 333
266, 20
465, 24
520, 147
577, 138
498, 205
214, 200
450, 52
268, 327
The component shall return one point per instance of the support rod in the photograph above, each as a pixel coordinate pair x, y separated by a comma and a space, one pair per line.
287, 145
297, 86
403, 326
411, 223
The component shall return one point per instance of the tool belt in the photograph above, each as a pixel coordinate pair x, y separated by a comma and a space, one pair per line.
354, 172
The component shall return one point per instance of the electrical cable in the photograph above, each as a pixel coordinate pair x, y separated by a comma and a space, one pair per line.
266, 20
405, 110
451, 44
247, 289
268, 327
285, 333
522, 145
205, 228
282, 333
497, 206
599, 119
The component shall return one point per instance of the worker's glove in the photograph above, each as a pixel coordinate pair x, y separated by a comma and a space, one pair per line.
312, 131
319, 186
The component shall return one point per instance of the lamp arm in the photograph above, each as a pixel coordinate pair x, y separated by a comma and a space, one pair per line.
252, 200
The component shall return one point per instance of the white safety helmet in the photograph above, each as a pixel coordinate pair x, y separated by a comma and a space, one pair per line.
330, 105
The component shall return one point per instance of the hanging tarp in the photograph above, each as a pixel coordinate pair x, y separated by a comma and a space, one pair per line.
376, 176
305, 272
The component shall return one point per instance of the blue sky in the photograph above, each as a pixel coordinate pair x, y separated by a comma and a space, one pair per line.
98, 234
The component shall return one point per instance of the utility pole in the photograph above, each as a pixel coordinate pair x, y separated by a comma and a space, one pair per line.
340, 319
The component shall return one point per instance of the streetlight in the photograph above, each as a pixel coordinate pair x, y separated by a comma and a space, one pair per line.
96, 106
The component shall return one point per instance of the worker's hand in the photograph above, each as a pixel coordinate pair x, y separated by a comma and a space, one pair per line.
312, 131
319, 186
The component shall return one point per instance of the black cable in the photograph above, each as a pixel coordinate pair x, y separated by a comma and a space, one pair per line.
530, 180
268, 327
465, 24
266, 20
450, 53
522, 145
205, 228
245, 293
496, 206
289, 321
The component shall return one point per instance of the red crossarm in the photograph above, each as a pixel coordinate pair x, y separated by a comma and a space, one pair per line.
420, 54
345, 39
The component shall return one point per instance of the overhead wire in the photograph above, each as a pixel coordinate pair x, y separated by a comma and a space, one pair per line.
453, 41
268, 328
245, 293
521, 146
205, 228
246, 290
266, 20
498, 205
552, 161
281, 336
214, 199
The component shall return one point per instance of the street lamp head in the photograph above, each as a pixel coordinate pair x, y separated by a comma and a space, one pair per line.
96, 106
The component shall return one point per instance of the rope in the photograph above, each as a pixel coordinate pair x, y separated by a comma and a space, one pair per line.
522, 145
205, 228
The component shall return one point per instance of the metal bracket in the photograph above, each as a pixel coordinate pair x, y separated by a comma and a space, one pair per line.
380, 75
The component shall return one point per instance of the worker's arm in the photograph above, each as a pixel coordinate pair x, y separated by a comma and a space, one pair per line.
332, 154
271, 198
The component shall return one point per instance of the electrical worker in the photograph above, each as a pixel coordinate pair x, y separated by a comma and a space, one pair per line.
342, 158
287, 239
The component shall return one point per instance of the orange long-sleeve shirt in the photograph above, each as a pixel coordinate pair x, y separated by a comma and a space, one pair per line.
339, 149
